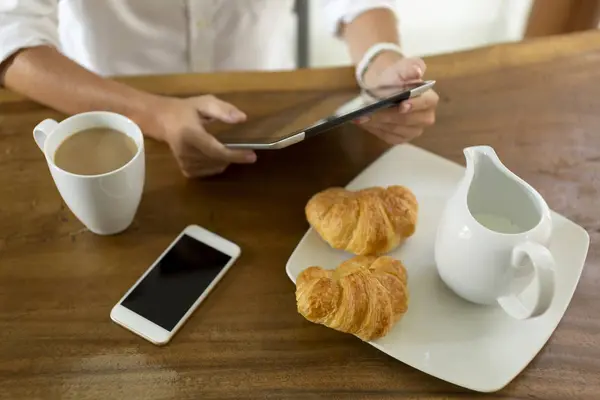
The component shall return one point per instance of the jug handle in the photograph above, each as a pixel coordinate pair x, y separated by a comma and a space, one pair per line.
42, 130
544, 270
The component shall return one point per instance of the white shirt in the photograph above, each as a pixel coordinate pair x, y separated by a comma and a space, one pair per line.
135, 37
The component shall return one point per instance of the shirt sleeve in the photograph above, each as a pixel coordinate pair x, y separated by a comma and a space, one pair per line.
338, 12
27, 23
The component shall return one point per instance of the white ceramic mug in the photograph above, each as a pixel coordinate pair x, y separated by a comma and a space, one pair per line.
107, 203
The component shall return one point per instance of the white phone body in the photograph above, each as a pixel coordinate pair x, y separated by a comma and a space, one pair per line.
150, 330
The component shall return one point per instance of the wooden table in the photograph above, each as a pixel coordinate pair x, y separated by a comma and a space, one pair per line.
537, 103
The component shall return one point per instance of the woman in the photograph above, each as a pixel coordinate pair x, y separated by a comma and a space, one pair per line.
59, 52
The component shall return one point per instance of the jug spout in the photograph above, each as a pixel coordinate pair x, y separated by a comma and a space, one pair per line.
479, 160
497, 198
476, 155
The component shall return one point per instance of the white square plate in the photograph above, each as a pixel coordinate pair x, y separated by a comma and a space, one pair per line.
473, 346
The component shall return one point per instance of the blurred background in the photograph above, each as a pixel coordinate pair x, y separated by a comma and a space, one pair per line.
431, 27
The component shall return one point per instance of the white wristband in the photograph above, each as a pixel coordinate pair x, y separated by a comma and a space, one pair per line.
369, 56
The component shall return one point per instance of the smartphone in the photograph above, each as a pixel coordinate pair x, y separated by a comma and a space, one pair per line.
167, 294
317, 115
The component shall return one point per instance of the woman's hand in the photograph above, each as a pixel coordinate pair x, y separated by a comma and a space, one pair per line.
198, 153
407, 121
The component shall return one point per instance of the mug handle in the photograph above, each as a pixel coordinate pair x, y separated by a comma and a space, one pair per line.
544, 267
42, 130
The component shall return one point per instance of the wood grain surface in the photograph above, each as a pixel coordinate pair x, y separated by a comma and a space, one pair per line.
536, 103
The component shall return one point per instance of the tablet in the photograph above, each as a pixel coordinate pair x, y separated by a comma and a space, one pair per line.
317, 114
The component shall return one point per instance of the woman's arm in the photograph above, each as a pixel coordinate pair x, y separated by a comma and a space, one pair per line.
43, 74
46, 76
378, 25
363, 24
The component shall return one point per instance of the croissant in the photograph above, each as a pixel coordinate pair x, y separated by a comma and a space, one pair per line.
367, 222
364, 296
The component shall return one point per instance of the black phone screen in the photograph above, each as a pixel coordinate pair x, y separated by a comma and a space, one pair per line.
174, 284
317, 111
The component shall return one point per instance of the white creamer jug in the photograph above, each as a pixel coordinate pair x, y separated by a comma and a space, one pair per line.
490, 243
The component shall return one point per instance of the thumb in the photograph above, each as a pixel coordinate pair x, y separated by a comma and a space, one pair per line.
212, 107
409, 69
214, 149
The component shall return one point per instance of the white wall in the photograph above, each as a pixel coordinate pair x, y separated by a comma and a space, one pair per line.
434, 26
